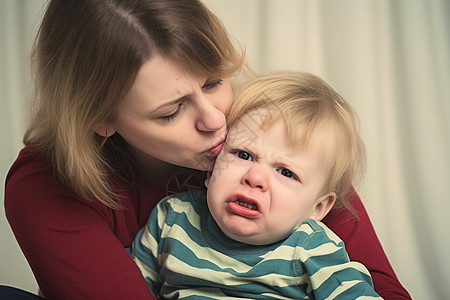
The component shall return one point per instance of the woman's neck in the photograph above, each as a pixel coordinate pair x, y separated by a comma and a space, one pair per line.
174, 177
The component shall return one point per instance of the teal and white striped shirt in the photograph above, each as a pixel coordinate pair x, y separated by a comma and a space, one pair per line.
181, 249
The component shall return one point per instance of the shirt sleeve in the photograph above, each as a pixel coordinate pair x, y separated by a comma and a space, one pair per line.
68, 243
331, 274
362, 245
144, 250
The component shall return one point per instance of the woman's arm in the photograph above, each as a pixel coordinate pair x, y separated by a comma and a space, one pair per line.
70, 245
362, 245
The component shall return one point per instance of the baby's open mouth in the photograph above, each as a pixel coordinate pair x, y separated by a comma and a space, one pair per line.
246, 204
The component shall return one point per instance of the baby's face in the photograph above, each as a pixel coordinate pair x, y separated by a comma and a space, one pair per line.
262, 188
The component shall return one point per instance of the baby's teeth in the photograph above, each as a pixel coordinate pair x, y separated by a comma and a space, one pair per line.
246, 205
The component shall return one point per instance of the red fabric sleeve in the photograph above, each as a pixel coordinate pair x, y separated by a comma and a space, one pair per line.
72, 246
362, 245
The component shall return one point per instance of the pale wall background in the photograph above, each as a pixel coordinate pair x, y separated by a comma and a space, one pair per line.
389, 58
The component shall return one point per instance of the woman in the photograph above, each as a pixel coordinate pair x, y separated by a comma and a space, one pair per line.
131, 96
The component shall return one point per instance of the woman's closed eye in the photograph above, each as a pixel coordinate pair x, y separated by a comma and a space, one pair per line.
210, 85
207, 87
173, 115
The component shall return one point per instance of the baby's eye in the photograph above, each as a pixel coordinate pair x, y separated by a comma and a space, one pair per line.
287, 173
243, 155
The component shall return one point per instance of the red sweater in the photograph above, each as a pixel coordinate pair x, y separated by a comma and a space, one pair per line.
76, 248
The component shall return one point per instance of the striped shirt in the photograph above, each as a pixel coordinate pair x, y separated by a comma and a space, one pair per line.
181, 249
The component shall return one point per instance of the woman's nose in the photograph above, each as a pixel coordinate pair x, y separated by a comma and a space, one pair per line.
210, 118
256, 177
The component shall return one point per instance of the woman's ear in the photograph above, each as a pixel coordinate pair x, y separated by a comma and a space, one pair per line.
322, 206
105, 130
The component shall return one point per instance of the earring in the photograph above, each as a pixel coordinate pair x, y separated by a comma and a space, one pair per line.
105, 138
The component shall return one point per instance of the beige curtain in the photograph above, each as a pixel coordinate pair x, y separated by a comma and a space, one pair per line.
17, 22
389, 58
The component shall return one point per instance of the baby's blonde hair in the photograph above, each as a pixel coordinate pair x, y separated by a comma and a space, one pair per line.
313, 113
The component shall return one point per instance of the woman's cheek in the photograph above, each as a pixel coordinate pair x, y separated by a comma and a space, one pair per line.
225, 97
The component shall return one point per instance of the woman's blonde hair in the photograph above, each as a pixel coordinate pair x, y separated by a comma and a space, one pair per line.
85, 58
313, 113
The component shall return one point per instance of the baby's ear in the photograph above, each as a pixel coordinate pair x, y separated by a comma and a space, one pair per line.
322, 206
208, 178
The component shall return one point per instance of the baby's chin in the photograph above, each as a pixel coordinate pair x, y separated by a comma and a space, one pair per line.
255, 241
251, 239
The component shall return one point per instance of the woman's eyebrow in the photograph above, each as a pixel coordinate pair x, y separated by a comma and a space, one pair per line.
167, 104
